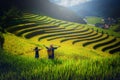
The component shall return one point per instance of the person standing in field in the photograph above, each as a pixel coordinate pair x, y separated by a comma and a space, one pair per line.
37, 52
50, 51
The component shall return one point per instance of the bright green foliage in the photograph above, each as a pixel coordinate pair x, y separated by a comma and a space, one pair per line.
94, 20
72, 61
16, 67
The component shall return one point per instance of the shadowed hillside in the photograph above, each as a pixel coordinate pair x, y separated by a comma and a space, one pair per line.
85, 53
45, 7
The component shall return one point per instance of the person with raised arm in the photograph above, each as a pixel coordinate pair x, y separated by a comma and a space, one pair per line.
36, 49
50, 51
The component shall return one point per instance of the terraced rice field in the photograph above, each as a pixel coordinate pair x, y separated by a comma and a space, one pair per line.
46, 30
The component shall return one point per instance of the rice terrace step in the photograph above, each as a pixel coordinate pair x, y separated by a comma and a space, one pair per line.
60, 40
76, 34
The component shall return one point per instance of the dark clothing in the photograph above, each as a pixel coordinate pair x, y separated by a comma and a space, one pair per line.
36, 52
51, 52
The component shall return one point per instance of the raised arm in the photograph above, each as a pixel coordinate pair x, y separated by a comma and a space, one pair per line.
56, 47
40, 49
46, 47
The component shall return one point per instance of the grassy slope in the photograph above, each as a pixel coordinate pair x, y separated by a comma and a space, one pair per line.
94, 20
17, 67
110, 31
72, 62
116, 27
77, 66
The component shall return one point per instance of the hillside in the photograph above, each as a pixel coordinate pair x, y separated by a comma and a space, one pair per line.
44, 7
46, 30
18, 67
86, 51
93, 20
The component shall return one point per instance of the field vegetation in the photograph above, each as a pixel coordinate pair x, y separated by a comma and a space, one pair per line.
86, 52
94, 20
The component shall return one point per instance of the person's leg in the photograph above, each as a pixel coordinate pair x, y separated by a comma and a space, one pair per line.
52, 56
36, 55
49, 57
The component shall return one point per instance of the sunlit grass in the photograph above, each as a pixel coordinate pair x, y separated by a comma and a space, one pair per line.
94, 20
105, 31
21, 67
72, 62
23, 46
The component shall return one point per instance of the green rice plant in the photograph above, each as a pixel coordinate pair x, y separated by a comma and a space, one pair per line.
94, 20
72, 62
20, 67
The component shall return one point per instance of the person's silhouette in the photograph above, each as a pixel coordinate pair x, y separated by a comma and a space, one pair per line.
37, 52
50, 51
